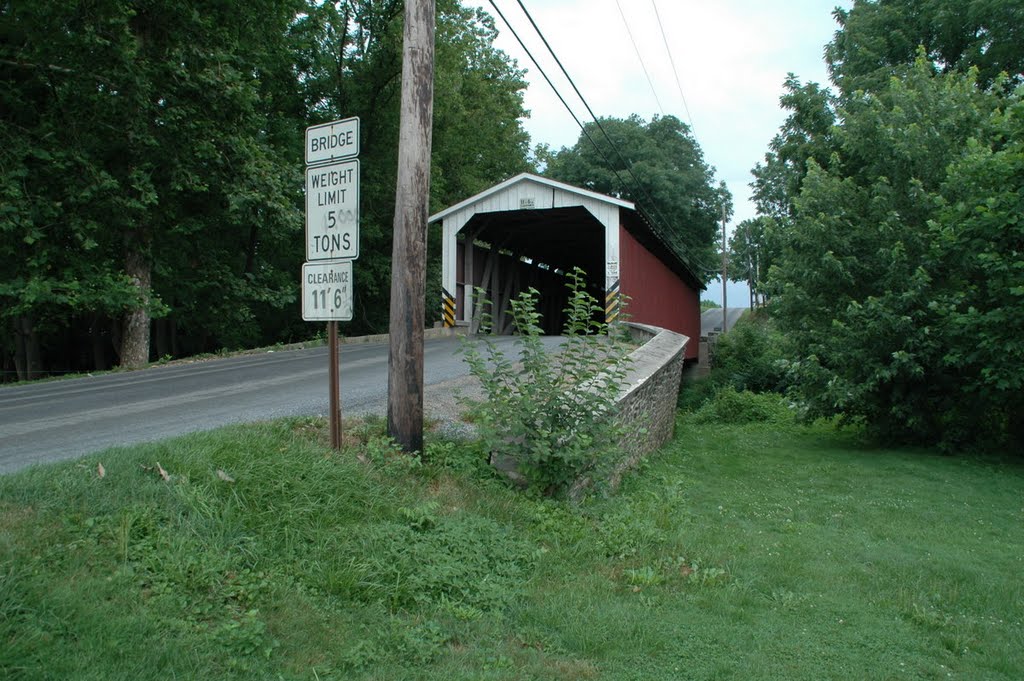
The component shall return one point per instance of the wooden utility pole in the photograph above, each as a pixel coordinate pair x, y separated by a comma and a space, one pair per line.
409, 248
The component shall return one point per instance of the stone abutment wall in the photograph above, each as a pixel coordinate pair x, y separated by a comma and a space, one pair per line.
646, 405
647, 402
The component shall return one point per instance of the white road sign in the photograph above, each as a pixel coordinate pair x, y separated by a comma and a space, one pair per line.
332, 141
332, 211
327, 291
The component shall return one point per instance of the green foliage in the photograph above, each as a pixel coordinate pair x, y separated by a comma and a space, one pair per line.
150, 159
752, 356
878, 267
731, 406
752, 251
694, 392
823, 554
676, 185
349, 62
879, 39
805, 135
890, 215
553, 416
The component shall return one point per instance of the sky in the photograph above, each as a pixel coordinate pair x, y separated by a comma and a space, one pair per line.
731, 58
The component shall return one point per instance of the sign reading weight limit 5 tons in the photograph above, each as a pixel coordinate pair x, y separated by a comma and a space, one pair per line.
327, 291
332, 211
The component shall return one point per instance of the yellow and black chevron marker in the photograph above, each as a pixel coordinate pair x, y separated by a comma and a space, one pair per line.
612, 303
447, 309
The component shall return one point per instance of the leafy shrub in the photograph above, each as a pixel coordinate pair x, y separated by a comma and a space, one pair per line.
737, 407
551, 415
752, 356
694, 393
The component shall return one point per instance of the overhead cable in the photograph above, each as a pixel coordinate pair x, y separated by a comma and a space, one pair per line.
673, 63
550, 84
659, 230
639, 57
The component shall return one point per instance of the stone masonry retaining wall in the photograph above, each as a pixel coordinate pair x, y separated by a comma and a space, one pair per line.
647, 402
646, 405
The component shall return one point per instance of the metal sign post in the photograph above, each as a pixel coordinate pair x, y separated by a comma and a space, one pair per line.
334, 383
332, 240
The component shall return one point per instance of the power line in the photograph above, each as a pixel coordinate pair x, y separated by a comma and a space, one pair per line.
639, 57
558, 94
658, 230
673, 63
550, 84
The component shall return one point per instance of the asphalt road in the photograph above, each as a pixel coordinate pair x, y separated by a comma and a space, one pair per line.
711, 320
64, 419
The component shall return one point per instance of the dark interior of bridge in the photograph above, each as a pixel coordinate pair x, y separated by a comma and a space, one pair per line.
515, 250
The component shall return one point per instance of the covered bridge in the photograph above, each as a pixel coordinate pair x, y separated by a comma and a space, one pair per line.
529, 231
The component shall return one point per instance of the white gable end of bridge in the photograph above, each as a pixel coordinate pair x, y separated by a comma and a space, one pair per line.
530, 192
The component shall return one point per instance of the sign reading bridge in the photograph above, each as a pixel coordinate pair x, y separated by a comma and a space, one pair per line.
332, 220
332, 141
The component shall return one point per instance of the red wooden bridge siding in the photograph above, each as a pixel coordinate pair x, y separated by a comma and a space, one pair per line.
657, 296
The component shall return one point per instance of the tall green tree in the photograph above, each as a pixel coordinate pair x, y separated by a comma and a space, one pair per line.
878, 39
892, 207
871, 248
659, 166
139, 134
753, 248
977, 259
151, 164
805, 135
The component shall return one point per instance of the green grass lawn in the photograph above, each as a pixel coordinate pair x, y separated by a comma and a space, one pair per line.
739, 552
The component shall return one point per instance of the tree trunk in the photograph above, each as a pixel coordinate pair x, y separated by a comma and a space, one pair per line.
99, 343
409, 249
20, 366
135, 342
26, 353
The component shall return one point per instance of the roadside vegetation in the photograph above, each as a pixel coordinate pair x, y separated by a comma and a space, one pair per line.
888, 236
764, 549
547, 415
183, 234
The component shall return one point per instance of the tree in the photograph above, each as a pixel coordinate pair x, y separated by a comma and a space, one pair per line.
879, 39
151, 164
876, 268
144, 137
977, 242
889, 208
660, 167
751, 254
350, 63
805, 135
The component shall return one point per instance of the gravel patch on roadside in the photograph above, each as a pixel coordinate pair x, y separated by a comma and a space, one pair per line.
443, 404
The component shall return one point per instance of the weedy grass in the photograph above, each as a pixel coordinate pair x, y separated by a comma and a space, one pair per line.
753, 551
